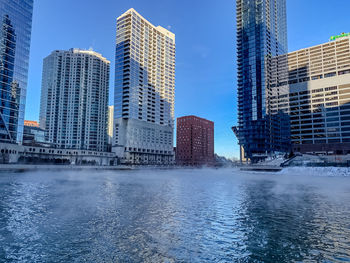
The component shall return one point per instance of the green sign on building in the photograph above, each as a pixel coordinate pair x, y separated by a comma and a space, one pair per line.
339, 36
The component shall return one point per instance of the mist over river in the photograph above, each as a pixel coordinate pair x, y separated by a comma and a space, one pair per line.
175, 216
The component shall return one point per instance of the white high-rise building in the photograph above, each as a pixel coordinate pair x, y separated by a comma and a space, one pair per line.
144, 91
74, 99
110, 124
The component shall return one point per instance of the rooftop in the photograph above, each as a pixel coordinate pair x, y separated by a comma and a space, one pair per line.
159, 28
84, 51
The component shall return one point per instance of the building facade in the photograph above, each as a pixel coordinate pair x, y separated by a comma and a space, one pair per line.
194, 141
15, 36
144, 91
30, 154
261, 35
74, 99
33, 135
110, 124
318, 102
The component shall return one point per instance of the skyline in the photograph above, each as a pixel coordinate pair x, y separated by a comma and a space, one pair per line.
197, 54
94, 175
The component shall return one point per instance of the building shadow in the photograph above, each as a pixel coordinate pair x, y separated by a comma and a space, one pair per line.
143, 114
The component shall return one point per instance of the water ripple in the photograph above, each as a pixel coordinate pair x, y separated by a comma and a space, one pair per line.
173, 216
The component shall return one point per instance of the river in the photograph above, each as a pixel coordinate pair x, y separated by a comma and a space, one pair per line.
174, 216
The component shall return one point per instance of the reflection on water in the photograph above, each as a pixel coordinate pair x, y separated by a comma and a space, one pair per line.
173, 216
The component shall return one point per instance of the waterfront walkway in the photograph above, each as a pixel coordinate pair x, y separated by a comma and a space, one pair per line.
32, 167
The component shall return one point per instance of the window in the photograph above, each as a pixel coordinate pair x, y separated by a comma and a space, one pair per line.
344, 72
328, 75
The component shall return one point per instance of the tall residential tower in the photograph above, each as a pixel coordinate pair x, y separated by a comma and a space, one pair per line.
74, 99
144, 91
15, 35
261, 35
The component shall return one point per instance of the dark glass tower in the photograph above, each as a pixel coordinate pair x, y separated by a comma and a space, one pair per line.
261, 35
15, 34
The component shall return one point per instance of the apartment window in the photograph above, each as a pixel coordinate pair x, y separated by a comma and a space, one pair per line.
307, 142
331, 88
344, 72
317, 77
320, 141
328, 75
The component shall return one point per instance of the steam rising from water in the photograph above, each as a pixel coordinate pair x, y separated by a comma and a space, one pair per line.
175, 216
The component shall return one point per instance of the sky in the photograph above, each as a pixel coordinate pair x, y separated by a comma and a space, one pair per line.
205, 47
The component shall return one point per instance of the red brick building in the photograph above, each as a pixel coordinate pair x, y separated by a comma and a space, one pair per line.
194, 141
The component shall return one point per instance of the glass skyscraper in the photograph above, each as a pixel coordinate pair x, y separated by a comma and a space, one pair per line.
261, 35
15, 35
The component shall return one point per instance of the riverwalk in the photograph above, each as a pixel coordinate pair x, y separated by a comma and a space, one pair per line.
32, 167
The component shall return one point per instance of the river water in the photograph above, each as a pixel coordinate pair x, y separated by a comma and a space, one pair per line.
174, 216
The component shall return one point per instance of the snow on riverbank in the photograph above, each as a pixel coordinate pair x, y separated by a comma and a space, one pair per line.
317, 171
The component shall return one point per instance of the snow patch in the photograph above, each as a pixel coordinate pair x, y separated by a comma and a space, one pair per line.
317, 171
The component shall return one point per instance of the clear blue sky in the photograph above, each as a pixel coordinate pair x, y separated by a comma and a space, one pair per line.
205, 46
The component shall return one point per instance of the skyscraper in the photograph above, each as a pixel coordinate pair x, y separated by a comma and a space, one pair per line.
74, 99
15, 35
261, 35
144, 91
